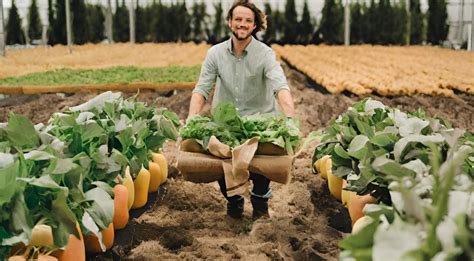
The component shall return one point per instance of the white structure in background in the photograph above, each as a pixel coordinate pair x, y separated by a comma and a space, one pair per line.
2, 31
460, 20
460, 13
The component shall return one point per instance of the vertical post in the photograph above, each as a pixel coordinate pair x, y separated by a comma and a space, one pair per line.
408, 34
68, 26
108, 22
2, 31
461, 22
471, 39
347, 23
44, 35
132, 21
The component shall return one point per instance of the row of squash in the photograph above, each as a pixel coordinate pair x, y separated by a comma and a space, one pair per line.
128, 194
353, 202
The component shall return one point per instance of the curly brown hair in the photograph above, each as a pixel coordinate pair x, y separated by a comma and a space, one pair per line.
260, 17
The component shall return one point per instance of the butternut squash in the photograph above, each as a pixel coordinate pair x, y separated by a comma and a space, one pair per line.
92, 242
361, 223
335, 184
155, 176
321, 165
346, 194
41, 235
17, 258
141, 184
128, 182
357, 204
121, 214
161, 160
74, 250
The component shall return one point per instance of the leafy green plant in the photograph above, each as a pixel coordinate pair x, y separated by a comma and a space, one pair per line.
231, 129
112, 75
63, 173
432, 217
369, 142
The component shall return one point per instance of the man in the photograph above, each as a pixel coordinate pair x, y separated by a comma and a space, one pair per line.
249, 76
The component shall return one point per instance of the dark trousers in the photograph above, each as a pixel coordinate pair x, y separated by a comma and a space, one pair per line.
259, 198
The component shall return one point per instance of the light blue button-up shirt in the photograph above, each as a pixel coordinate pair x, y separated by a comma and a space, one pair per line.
250, 81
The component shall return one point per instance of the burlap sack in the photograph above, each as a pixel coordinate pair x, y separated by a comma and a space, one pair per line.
201, 166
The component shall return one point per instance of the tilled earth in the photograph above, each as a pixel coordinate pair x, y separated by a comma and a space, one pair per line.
187, 221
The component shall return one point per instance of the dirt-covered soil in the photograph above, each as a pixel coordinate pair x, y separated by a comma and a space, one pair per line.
187, 221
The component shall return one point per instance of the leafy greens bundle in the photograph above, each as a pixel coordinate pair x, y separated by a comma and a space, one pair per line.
231, 129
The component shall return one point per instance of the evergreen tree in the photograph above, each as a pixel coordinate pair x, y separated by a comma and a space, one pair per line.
96, 19
416, 32
397, 24
141, 24
306, 27
437, 25
371, 26
35, 27
383, 19
121, 26
332, 22
80, 23
290, 29
51, 22
357, 24
159, 20
199, 26
14, 32
184, 28
59, 27
269, 36
279, 22
215, 35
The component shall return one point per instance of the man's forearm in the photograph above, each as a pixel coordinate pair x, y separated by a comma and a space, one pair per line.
196, 104
286, 103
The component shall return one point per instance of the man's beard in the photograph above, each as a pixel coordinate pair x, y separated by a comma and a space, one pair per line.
240, 38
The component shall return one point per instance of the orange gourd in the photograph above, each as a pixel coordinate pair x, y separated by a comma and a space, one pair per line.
120, 206
161, 160
357, 204
128, 182
17, 258
92, 242
74, 250
141, 184
155, 176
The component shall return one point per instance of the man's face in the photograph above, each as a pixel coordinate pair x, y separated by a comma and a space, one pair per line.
242, 23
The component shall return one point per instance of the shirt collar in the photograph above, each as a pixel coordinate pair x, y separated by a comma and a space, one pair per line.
249, 47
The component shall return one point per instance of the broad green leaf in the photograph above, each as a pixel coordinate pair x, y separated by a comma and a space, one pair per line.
8, 182
21, 132
65, 219
412, 126
341, 152
403, 142
383, 139
371, 105
396, 240
97, 102
92, 130
357, 147
102, 209
38, 155
391, 168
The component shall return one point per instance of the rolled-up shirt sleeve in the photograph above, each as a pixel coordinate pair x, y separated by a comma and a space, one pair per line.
274, 74
208, 76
